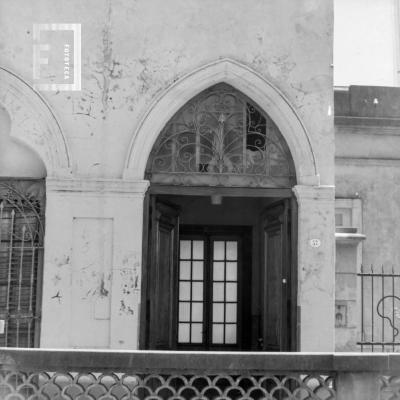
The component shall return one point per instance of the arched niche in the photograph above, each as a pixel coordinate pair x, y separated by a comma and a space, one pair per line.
33, 124
251, 84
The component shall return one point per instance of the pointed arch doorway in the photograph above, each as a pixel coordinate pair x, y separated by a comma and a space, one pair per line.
220, 237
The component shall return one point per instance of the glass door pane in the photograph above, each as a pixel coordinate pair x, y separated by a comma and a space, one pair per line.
209, 292
224, 292
191, 291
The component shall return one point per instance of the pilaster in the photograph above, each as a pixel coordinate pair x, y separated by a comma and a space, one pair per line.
316, 267
92, 265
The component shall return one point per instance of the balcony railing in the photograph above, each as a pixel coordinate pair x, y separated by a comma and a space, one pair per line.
121, 375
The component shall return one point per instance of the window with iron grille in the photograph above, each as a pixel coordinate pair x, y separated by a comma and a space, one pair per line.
21, 259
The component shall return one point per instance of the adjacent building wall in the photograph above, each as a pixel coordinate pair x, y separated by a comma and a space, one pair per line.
367, 133
368, 165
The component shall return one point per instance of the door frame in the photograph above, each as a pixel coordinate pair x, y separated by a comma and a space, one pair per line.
244, 236
159, 189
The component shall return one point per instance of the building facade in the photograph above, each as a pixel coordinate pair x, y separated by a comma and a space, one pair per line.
184, 198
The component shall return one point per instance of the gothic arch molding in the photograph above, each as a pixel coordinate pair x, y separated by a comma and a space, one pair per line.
34, 124
241, 77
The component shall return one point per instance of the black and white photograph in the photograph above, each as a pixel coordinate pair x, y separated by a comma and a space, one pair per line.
199, 199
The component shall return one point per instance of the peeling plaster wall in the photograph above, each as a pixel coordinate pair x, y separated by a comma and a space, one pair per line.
92, 245
133, 50
92, 271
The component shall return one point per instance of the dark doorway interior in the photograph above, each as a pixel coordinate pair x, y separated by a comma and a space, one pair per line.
221, 273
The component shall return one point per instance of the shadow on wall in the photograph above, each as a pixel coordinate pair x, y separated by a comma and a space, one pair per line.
16, 159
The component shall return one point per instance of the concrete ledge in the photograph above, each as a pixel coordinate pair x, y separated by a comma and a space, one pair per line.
218, 362
97, 186
349, 238
366, 122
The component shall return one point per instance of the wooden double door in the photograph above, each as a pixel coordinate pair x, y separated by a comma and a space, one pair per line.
204, 287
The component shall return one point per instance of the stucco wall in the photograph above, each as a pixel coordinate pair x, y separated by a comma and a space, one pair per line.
132, 51
367, 138
368, 169
377, 183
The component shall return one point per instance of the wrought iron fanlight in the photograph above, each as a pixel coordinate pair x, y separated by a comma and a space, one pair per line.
221, 138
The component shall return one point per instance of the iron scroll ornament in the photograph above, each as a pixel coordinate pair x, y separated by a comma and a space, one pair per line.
23, 200
394, 313
221, 138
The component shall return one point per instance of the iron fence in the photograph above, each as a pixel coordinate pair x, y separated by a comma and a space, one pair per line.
380, 309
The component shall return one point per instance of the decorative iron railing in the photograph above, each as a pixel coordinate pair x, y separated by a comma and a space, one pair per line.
33, 374
380, 309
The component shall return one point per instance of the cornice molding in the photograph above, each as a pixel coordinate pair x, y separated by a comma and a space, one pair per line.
373, 130
363, 122
97, 186
363, 162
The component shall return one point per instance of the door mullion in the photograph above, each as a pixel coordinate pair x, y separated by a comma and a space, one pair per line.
191, 292
207, 291
224, 299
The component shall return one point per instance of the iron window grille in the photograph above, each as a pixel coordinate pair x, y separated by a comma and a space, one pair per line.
21, 259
